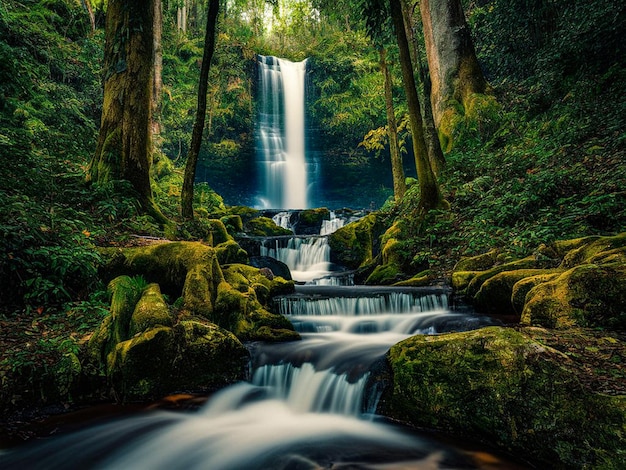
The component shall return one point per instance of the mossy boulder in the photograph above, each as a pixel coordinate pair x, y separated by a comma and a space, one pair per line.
522, 287
264, 227
154, 352
579, 282
309, 221
586, 295
357, 243
506, 388
495, 294
480, 262
230, 252
239, 306
233, 223
193, 356
151, 311
166, 264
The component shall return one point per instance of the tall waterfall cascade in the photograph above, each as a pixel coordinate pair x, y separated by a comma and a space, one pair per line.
281, 147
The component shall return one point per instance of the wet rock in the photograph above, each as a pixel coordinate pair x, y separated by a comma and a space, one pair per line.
509, 389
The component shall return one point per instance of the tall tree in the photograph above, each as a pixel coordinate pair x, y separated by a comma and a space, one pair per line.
430, 194
455, 73
157, 76
435, 154
397, 171
124, 144
198, 126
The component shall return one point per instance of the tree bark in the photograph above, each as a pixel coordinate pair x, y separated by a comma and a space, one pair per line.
397, 170
198, 126
430, 195
157, 76
435, 154
454, 69
124, 144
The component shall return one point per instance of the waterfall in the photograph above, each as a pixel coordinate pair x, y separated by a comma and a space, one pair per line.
281, 134
308, 258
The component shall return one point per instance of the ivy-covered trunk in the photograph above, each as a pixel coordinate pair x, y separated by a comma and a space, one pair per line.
124, 144
430, 195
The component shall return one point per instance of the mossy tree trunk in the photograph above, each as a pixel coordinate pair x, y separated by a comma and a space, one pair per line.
124, 147
397, 171
430, 194
198, 126
435, 154
454, 69
157, 77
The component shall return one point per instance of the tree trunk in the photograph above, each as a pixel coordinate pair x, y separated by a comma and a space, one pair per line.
123, 149
157, 76
435, 154
430, 195
397, 171
454, 69
198, 126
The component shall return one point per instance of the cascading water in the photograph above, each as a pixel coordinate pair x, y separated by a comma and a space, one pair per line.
281, 134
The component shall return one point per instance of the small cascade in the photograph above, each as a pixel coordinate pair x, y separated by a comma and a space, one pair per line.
351, 304
306, 389
332, 225
283, 219
308, 258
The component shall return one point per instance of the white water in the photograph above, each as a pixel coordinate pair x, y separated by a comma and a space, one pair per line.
281, 134
308, 406
332, 225
308, 258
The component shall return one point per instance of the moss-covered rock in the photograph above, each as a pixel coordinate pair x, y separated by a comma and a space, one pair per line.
309, 221
385, 275
480, 262
357, 243
504, 387
195, 355
233, 223
264, 227
230, 252
242, 304
586, 295
523, 287
150, 311
421, 279
480, 277
577, 282
495, 294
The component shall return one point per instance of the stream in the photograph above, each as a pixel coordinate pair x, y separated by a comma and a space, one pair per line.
309, 404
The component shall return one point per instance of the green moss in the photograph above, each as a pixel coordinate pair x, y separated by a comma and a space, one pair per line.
357, 243
150, 311
199, 292
495, 294
480, 277
480, 262
230, 252
596, 250
421, 279
233, 223
385, 274
586, 295
137, 367
265, 227
502, 386
314, 217
523, 286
